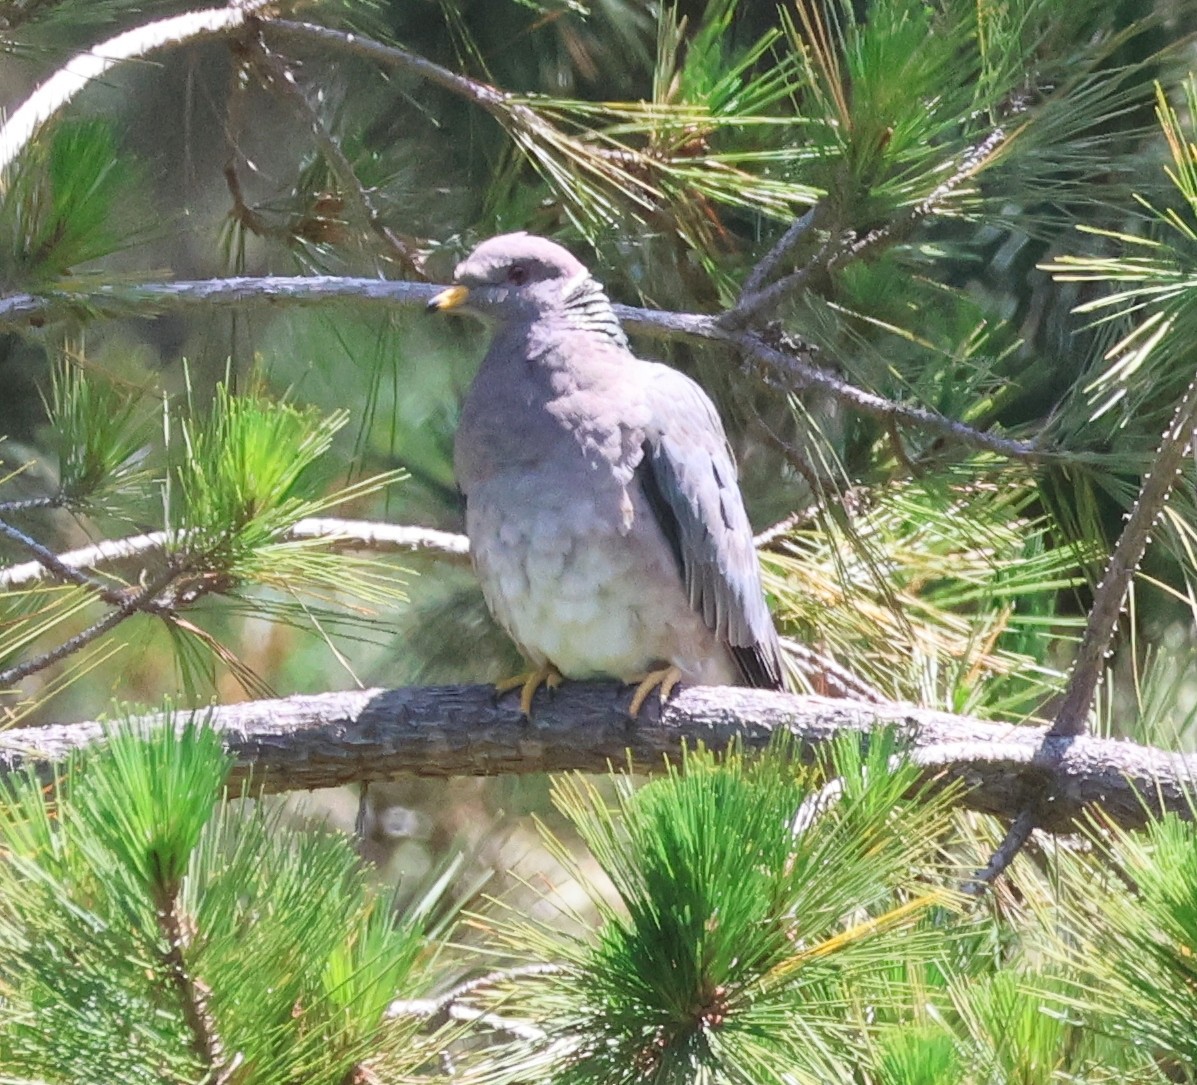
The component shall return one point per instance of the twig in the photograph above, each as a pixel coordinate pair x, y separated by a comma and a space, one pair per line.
30, 503
51, 564
193, 997
1011, 845
366, 535
330, 739
88, 66
428, 1008
896, 443
836, 681
483, 95
280, 79
850, 499
801, 375
450, 1003
761, 301
781, 252
1108, 599
758, 299
144, 600
496, 979
241, 212
1072, 717
971, 164
816, 805
775, 532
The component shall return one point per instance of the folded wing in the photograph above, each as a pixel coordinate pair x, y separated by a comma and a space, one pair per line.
688, 477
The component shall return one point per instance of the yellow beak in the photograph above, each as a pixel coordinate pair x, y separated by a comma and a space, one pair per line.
452, 298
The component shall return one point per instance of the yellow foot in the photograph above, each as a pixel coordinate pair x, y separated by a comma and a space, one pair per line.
663, 680
528, 683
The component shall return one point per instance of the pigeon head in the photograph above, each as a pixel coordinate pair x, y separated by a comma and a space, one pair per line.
515, 277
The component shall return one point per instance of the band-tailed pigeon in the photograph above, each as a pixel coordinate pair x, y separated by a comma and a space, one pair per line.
602, 507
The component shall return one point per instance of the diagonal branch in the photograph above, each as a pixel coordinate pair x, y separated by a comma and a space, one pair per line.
336, 738
778, 256
798, 374
759, 296
144, 601
1110, 595
483, 95
48, 564
276, 75
1073, 714
451, 1004
1019, 833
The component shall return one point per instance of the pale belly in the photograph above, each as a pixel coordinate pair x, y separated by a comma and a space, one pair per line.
593, 591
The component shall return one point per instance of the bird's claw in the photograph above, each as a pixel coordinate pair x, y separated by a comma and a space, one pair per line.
663, 680
528, 683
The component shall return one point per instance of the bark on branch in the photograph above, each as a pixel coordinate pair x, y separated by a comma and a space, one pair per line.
335, 738
793, 372
142, 551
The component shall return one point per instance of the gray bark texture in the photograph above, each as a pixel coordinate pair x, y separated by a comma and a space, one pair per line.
327, 739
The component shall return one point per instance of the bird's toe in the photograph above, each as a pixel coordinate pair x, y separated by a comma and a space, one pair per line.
663, 680
528, 683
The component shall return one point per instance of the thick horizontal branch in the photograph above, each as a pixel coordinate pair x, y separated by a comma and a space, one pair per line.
336, 738
795, 373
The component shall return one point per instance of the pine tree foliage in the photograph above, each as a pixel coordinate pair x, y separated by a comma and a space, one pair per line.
977, 640
226, 484
762, 922
153, 930
1132, 945
750, 904
989, 211
60, 206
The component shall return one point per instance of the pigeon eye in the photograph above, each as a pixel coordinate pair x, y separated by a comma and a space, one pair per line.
517, 274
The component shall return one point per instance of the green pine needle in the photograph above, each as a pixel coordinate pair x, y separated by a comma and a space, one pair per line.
745, 899
151, 930
58, 206
101, 435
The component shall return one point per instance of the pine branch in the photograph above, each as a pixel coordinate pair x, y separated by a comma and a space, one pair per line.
30, 503
483, 95
331, 739
826, 676
89, 66
192, 995
1019, 833
1071, 719
794, 372
759, 296
450, 1006
801, 375
778, 256
278, 78
363, 535
49, 564
371, 536
144, 601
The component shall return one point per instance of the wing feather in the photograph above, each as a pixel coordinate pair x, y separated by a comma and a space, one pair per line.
688, 477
